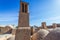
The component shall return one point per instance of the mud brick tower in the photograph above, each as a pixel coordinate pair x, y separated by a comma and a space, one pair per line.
23, 32
54, 25
44, 25
23, 15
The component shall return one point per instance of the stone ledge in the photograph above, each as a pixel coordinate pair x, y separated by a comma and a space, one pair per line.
24, 28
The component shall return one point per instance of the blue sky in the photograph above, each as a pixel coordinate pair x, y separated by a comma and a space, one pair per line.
40, 11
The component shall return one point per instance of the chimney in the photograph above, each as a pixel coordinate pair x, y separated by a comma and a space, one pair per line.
54, 25
44, 25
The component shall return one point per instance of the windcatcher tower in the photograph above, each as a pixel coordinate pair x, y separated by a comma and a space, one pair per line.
23, 15
23, 31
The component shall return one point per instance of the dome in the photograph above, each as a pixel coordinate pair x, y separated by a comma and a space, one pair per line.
11, 38
53, 35
40, 34
10, 26
50, 29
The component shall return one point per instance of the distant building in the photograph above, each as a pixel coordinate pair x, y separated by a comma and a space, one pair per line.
7, 29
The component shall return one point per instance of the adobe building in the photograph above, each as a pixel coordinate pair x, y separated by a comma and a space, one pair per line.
23, 15
44, 25
5, 30
9, 29
54, 25
23, 30
13, 31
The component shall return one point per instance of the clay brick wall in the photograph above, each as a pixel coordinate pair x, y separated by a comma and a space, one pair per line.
54, 25
23, 33
13, 31
4, 29
44, 25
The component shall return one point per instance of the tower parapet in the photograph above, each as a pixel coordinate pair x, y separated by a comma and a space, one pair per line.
44, 25
54, 25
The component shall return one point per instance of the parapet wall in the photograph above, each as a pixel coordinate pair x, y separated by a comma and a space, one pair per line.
4, 30
44, 26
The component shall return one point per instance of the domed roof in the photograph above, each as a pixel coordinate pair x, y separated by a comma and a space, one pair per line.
40, 34
10, 26
53, 35
12, 37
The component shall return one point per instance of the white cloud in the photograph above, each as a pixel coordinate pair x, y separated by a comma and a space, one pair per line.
57, 4
53, 18
8, 16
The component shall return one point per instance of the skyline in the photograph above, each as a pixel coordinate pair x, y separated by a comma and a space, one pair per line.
40, 11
